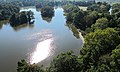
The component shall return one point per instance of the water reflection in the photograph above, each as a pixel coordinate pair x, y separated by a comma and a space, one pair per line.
42, 51
19, 27
44, 46
74, 30
48, 19
2, 23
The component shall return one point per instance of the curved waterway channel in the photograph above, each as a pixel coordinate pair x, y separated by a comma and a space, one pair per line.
38, 42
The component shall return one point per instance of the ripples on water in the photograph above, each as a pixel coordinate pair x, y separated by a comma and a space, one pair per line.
44, 46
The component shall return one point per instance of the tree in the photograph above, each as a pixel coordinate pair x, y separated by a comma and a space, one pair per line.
100, 7
101, 23
47, 11
91, 18
21, 18
71, 11
97, 43
7, 9
115, 8
65, 62
115, 63
71, 8
79, 21
23, 66
116, 5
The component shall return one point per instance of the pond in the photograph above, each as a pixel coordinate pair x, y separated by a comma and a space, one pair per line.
38, 42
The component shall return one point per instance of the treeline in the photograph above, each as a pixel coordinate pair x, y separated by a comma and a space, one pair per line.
20, 3
101, 50
60, 3
7, 9
23, 3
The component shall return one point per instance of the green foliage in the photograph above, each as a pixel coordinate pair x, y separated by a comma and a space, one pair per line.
99, 7
116, 5
115, 63
91, 18
6, 10
70, 11
70, 8
23, 66
78, 20
74, 30
21, 18
65, 62
47, 11
115, 8
98, 43
101, 23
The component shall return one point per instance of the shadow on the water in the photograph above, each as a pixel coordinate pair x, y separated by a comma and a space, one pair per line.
4, 22
48, 19
22, 26
73, 29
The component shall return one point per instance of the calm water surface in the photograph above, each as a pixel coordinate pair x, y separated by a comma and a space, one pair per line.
37, 43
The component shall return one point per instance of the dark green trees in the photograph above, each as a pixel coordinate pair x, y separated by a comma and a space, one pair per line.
115, 63
65, 62
81, 19
21, 18
101, 23
97, 44
6, 10
115, 7
23, 66
78, 20
100, 7
47, 11
70, 11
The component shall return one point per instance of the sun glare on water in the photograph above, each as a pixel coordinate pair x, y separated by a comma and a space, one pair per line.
42, 51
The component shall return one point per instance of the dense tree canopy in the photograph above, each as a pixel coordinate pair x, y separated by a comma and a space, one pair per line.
65, 62
6, 10
97, 44
47, 11
101, 23
23, 66
100, 7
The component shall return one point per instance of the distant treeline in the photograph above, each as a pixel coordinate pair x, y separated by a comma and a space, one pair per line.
58, 3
